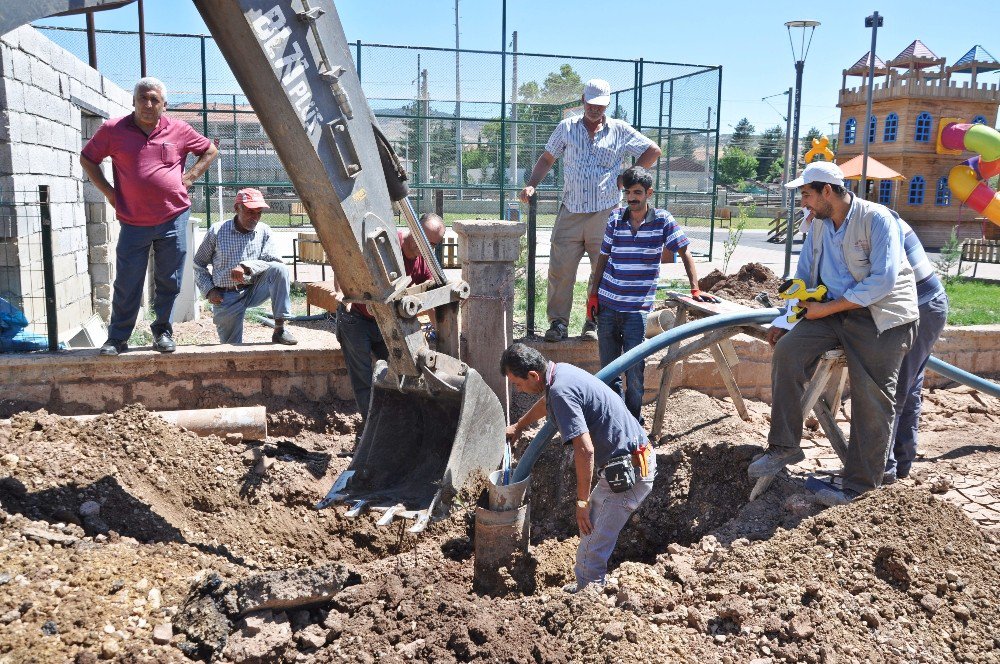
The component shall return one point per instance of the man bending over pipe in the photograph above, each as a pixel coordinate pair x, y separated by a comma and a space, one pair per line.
604, 435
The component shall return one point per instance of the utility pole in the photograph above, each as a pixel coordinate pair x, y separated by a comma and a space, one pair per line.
458, 113
513, 117
426, 137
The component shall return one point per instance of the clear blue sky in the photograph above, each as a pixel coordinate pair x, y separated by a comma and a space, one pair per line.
749, 40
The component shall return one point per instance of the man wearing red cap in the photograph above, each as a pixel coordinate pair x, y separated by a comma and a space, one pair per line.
246, 271
150, 197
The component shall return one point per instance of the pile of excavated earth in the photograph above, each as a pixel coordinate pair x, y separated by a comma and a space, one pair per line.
128, 539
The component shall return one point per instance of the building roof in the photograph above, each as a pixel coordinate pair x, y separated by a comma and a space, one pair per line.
860, 68
916, 56
681, 164
876, 170
977, 58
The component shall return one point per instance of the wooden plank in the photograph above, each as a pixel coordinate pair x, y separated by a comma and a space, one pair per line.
730, 382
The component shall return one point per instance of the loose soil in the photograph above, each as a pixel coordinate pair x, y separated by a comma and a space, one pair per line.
113, 533
744, 286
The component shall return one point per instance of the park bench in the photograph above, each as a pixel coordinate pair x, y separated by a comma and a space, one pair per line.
297, 212
979, 251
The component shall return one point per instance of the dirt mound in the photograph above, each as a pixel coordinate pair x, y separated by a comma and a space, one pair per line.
742, 287
126, 538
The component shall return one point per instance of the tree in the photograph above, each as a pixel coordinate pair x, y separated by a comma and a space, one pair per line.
736, 166
684, 149
742, 137
775, 171
769, 148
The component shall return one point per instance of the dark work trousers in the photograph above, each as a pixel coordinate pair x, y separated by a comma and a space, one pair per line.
873, 361
933, 316
360, 339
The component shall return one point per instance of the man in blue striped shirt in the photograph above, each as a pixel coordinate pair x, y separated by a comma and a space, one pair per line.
635, 240
592, 147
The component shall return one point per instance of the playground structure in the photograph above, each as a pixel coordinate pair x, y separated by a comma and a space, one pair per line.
914, 96
967, 180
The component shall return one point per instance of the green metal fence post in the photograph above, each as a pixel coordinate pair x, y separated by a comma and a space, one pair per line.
357, 57
204, 128
670, 133
715, 170
502, 166
532, 241
659, 143
48, 268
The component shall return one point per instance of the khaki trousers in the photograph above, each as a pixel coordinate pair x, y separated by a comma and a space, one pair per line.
574, 234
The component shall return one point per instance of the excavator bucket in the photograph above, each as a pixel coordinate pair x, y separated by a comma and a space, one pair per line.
420, 449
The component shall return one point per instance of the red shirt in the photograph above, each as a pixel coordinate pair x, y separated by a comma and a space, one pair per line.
147, 169
417, 269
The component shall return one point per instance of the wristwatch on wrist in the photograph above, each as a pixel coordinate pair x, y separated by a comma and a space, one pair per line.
582, 503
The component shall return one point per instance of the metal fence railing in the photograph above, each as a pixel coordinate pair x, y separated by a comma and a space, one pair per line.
27, 285
468, 123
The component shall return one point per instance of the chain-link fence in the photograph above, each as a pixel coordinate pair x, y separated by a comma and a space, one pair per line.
468, 125
27, 287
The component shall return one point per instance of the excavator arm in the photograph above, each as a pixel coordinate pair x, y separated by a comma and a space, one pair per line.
434, 426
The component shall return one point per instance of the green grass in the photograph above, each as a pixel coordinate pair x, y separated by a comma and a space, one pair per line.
973, 302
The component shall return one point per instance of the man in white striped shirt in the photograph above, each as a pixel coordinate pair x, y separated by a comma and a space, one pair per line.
246, 271
592, 147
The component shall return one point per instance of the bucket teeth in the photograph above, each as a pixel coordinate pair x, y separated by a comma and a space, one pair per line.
357, 509
423, 519
390, 514
760, 487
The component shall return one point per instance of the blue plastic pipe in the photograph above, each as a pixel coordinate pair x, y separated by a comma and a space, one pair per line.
964, 377
639, 354
710, 324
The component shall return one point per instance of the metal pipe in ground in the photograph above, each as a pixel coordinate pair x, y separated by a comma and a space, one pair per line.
503, 519
250, 421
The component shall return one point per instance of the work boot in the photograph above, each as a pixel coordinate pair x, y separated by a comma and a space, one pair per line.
828, 494
163, 343
112, 348
889, 477
557, 332
589, 330
283, 336
773, 460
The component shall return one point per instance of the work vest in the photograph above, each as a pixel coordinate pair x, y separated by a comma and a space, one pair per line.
900, 305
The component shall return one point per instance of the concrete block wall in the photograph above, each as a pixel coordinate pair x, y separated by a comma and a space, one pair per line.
45, 95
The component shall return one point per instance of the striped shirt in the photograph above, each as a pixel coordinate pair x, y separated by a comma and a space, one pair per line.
224, 248
928, 284
629, 281
591, 167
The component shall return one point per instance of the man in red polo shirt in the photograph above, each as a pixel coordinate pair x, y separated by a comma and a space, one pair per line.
149, 194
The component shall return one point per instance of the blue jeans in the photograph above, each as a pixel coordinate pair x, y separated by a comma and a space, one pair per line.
169, 244
271, 284
360, 339
617, 333
933, 316
609, 512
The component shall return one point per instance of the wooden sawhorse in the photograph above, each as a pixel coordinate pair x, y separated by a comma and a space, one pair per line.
718, 342
822, 397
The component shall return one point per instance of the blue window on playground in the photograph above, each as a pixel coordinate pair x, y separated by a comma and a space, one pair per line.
891, 124
872, 124
979, 119
917, 190
943, 195
850, 131
885, 192
923, 134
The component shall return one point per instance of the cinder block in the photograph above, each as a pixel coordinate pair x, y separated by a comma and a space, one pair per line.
101, 291
81, 262
12, 95
100, 253
246, 386
97, 229
314, 387
21, 66
102, 273
44, 76
164, 395
339, 385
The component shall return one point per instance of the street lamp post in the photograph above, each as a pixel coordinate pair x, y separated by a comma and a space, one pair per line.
874, 22
800, 62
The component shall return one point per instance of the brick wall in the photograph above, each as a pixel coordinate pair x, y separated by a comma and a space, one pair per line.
51, 103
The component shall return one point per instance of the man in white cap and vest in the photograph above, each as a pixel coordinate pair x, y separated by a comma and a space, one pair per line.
592, 147
856, 249
246, 271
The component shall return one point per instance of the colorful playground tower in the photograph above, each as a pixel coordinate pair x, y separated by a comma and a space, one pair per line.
915, 94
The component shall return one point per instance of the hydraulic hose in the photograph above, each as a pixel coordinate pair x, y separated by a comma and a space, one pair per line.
639, 354
710, 324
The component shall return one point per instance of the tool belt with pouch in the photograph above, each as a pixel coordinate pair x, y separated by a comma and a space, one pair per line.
621, 472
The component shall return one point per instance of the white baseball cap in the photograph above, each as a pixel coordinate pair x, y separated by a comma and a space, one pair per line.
597, 92
818, 171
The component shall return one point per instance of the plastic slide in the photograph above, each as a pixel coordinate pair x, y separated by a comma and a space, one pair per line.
967, 181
